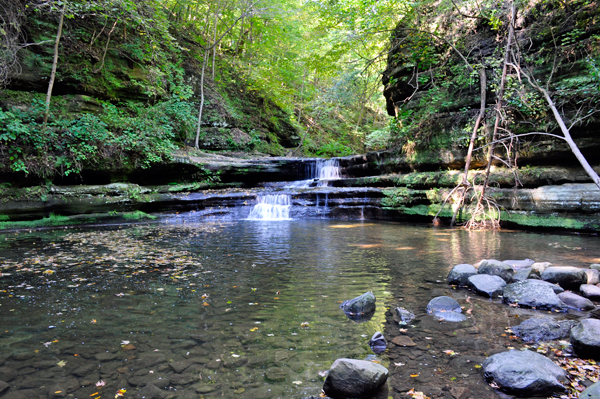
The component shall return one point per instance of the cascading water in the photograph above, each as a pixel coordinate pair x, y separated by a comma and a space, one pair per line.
271, 207
277, 206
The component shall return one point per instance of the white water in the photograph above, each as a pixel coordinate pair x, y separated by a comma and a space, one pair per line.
277, 206
271, 207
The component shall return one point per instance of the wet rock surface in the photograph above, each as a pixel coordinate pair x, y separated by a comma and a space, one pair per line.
497, 268
404, 316
349, 378
459, 275
530, 294
567, 277
360, 305
524, 373
576, 301
487, 285
590, 291
585, 337
543, 329
378, 343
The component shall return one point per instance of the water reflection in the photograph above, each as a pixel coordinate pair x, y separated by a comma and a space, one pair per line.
235, 309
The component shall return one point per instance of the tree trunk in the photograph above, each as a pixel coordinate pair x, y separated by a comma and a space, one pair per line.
196, 144
500, 94
214, 50
465, 182
54, 64
569, 139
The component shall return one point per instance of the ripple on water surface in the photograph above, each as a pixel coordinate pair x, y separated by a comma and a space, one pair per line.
240, 309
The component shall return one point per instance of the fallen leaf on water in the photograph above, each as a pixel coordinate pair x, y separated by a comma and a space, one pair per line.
234, 355
254, 329
297, 382
124, 342
62, 363
450, 352
57, 391
205, 304
93, 321
270, 335
414, 375
416, 395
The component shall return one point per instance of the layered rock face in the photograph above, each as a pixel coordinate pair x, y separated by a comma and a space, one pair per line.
432, 86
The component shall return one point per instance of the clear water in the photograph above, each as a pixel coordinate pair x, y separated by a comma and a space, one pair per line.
247, 309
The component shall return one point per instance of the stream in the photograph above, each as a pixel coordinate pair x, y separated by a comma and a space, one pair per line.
248, 307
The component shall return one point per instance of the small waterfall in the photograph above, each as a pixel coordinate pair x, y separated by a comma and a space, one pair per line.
324, 169
271, 207
328, 169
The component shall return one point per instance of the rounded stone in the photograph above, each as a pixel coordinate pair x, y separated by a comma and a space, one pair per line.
487, 285
497, 268
543, 329
350, 378
568, 277
459, 275
524, 373
443, 304
592, 392
576, 301
530, 294
590, 291
585, 337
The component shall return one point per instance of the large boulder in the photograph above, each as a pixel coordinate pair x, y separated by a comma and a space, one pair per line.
575, 301
519, 264
497, 268
568, 277
590, 291
459, 275
555, 287
487, 285
592, 392
543, 329
361, 305
530, 294
585, 337
524, 373
350, 378
445, 308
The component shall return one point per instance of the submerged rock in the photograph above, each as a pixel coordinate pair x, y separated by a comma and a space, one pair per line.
568, 277
524, 373
404, 316
445, 308
530, 294
575, 301
378, 343
543, 329
585, 337
360, 305
349, 378
459, 275
487, 285
497, 268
